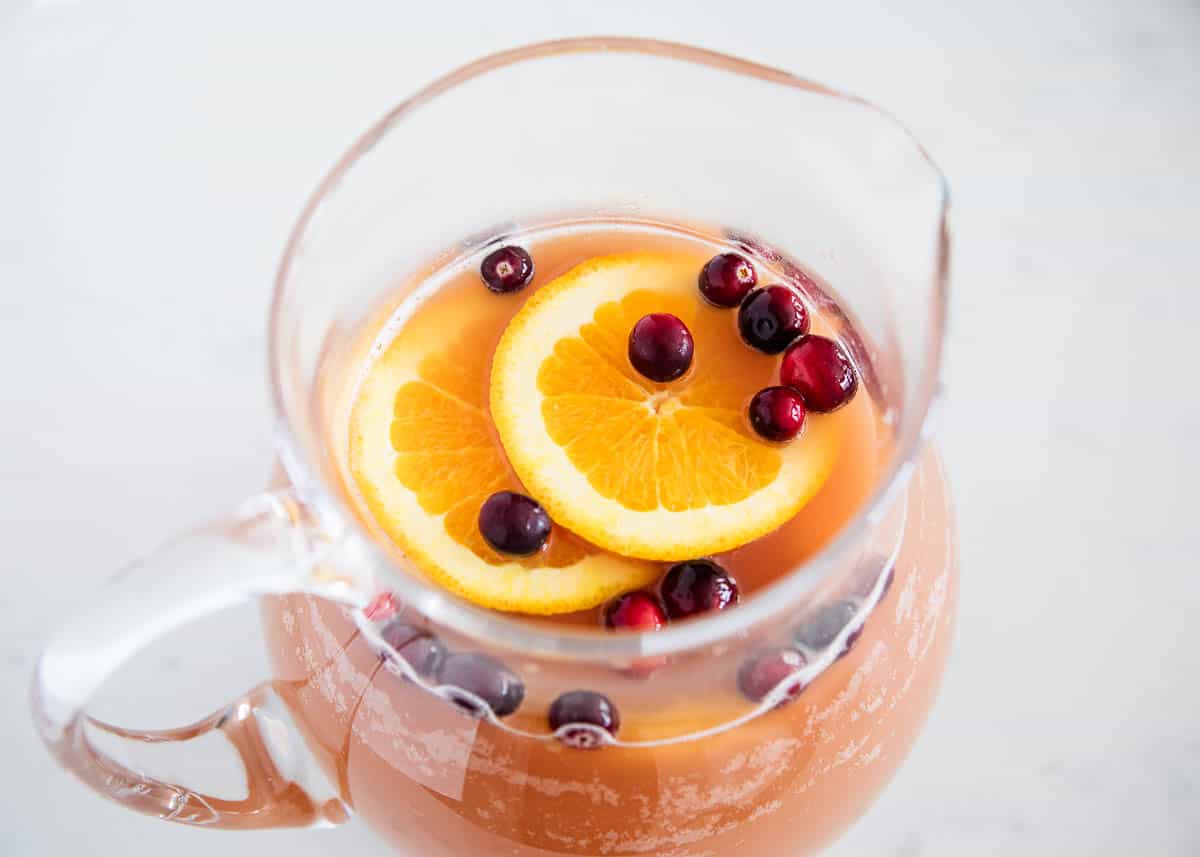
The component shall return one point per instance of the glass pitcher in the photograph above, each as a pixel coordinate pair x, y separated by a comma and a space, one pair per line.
596, 127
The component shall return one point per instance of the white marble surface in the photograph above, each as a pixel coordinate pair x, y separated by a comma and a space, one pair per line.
153, 159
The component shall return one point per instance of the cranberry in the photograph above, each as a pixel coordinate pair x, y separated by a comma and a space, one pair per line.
487, 678
508, 269
396, 634
635, 611
887, 582
425, 654
777, 413
725, 279
822, 628
764, 670
821, 371
697, 586
513, 523
851, 639
382, 607
422, 651
583, 707
660, 347
770, 319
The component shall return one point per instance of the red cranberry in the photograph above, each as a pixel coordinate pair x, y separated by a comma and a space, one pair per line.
513, 523
635, 611
485, 677
697, 586
777, 413
660, 347
822, 628
422, 651
382, 607
821, 371
770, 319
725, 279
583, 707
508, 269
763, 672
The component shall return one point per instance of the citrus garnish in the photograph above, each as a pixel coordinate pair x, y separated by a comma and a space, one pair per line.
425, 459
663, 471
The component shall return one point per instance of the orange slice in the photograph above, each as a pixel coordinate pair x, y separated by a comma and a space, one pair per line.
657, 471
424, 458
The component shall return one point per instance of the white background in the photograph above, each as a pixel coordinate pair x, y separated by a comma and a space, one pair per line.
152, 160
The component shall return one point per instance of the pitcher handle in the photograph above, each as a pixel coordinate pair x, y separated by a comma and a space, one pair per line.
268, 547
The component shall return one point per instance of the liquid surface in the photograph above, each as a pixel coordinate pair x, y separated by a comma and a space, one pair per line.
454, 324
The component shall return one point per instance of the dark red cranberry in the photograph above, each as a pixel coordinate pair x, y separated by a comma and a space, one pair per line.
697, 586
764, 670
777, 413
513, 523
397, 634
507, 269
494, 683
821, 371
635, 611
725, 279
822, 628
770, 319
660, 347
423, 652
583, 707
